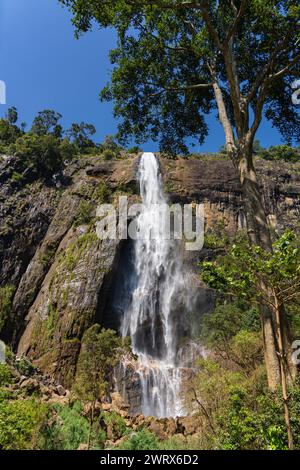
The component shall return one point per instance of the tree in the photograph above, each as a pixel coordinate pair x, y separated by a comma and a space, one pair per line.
100, 353
178, 60
80, 134
243, 273
12, 115
46, 122
43, 155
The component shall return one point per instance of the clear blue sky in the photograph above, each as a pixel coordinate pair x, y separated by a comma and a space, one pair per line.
44, 67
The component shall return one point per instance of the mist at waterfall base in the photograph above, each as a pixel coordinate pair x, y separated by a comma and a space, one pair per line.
154, 301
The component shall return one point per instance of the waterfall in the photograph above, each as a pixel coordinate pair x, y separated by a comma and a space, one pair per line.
157, 299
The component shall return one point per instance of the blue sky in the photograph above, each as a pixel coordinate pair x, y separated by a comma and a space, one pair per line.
44, 67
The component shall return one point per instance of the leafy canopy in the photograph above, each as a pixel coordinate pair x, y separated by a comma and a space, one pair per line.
246, 268
168, 51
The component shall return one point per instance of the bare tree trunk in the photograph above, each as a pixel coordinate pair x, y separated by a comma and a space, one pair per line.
259, 234
91, 425
283, 374
257, 228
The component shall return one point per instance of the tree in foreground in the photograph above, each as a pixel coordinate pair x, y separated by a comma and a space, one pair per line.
177, 60
243, 272
100, 353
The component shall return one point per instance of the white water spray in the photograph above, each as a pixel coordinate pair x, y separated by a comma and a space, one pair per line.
158, 296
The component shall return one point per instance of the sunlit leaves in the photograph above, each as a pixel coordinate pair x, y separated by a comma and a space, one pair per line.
245, 269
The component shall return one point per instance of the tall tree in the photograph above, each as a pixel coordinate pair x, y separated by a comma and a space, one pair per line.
176, 60
12, 115
81, 134
100, 353
46, 122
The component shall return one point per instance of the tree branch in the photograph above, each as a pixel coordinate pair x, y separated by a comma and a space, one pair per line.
185, 88
238, 18
286, 69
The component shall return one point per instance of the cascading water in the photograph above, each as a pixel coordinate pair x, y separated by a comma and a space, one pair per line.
157, 297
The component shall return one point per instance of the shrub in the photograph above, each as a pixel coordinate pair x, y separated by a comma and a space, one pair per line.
109, 155
6, 295
116, 422
5, 375
20, 424
8, 132
84, 214
281, 152
140, 440
39, 152
24, 366
69, 429
44, 154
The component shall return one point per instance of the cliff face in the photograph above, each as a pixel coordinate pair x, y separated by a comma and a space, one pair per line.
63, 275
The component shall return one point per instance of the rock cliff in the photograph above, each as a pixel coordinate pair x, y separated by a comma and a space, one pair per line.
61, 273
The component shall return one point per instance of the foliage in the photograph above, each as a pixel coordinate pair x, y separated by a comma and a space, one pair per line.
5, 375
169, 52
226, 321
8, 132
108, 155
6, 296
46, 122
110, 143
24, 366
215, 239
83, 214
12, 115
68, 430
134, 150
233, 332
20, 423
100, 352
140, 440
281, 152
239, 412
240, 271
80, 135
116, 422
43, 154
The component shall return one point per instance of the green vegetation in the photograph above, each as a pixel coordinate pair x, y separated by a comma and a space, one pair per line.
268, 278
281, 152
140, 440
198, 60
46, 148
20, 423
116, 423
100, 352
84, 213
69, 428
229, 393
6, 296
5, 375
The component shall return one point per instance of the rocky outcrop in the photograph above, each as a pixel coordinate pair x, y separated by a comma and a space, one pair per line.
61, 289
64, 275
212, 180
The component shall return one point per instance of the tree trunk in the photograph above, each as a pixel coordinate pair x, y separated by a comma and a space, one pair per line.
91, 424
259, 234
283, 374
241, 154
